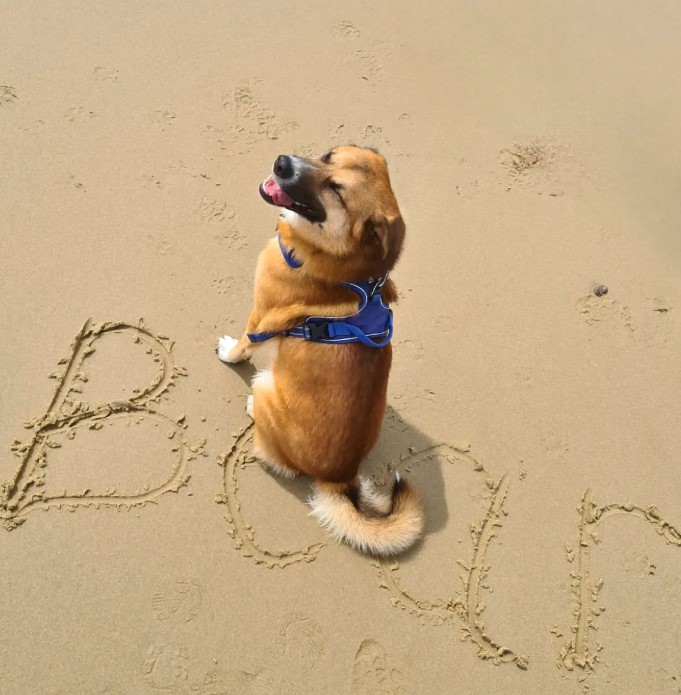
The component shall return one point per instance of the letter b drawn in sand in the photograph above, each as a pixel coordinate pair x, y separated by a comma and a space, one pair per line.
579, 651
67, 413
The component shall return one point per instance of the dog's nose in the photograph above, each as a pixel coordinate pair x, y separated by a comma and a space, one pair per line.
283, 167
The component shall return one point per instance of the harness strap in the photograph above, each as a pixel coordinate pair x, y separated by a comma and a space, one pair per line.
261, 337
336, 331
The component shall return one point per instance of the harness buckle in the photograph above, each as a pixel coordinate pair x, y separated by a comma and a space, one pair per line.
316, 331
378, 286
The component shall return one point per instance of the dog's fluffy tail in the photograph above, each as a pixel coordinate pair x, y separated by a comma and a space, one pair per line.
369, 521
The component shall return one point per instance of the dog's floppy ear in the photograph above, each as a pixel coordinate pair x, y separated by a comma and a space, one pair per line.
386, 233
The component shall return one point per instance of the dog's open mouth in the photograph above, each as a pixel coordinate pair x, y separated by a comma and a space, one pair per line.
274, 194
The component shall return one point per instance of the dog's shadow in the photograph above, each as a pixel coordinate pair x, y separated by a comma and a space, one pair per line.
398, 440
245, 371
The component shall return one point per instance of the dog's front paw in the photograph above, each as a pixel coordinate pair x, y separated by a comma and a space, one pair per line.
225, 350
249, 407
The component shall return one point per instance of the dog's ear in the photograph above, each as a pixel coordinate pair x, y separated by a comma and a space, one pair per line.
386, 233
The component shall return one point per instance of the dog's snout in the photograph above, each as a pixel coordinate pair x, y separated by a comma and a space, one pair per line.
283, 167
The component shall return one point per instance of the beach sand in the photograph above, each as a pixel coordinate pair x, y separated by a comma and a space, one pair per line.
534, 149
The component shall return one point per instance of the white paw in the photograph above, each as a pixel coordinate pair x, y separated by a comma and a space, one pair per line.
225, 346
249, 407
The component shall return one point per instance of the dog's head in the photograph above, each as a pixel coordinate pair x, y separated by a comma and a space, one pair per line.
341, 204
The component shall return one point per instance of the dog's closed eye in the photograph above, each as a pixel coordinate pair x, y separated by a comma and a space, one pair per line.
336, 188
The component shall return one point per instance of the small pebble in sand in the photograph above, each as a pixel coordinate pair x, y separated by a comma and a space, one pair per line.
600, 290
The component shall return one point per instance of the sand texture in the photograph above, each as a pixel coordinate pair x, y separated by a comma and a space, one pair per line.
534, 149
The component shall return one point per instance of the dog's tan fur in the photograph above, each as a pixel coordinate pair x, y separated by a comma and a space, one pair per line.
320, 409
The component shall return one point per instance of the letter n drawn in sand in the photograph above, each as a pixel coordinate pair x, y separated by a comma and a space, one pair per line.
67, 413
579, 651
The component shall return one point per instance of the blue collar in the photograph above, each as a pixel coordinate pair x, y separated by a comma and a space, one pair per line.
289, 257
373, 320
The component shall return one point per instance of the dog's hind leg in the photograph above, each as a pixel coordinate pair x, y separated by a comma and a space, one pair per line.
259, 406
270, 462
263, 381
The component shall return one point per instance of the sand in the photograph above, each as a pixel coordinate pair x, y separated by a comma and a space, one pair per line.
534, 149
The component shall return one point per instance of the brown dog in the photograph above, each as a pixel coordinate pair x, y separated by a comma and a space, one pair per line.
321, 293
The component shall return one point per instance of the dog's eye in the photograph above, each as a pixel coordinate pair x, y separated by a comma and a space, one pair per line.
336, 188
326, 158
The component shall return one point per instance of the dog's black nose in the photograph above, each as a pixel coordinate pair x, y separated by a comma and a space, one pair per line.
283, 167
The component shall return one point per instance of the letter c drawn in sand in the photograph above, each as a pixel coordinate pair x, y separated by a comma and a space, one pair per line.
66, 413
236, 459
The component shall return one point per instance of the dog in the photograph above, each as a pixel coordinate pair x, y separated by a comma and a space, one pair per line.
322, 292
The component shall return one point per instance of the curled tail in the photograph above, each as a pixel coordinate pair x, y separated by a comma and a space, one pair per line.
366, 519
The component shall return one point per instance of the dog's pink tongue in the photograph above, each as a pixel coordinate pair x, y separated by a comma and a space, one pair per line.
274, 191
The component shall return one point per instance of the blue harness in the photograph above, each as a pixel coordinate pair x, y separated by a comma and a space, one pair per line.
372, 322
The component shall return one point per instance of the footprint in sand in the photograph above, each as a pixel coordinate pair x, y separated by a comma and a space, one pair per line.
302, 642
215, 211
368, 62
170, 668
181, 602
252, 120
538, 164
168, 175
556, 448
369, 135
162, 119
106, 74
410, 350
215, 136
604, 311
79, 114
372, 672
369, 66
7, 95
222, 217
346, 30
224, 285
